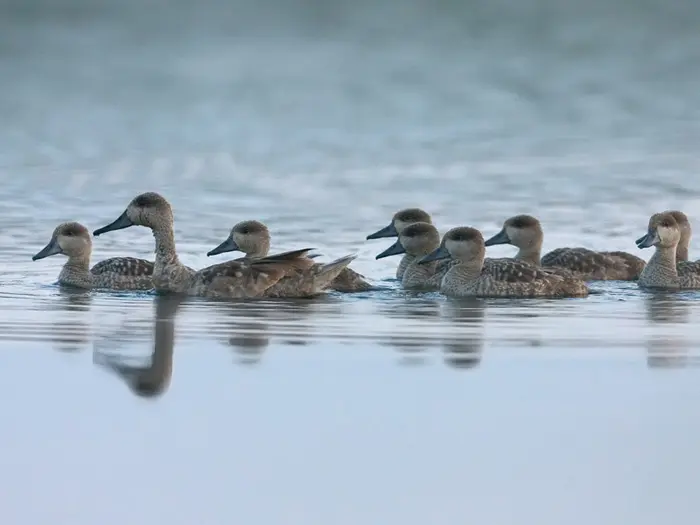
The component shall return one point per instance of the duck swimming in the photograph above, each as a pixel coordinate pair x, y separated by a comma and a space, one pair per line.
232, 279
117, 273
253, 239
470, 277
399, 221
416, 241
663, 271
525, 232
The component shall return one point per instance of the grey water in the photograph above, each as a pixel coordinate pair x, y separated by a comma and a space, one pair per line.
322, 119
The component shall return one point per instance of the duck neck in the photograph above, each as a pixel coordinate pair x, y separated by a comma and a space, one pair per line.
663, 262
76, 271
257, 253
682, 253
166, 253
530, 253
468, 270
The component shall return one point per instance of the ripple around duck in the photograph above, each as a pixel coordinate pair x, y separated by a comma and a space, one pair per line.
622, 318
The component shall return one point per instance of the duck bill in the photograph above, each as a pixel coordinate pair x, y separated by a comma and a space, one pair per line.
394, 249
53, 248
122, 222
437, 255
646, 241
387, 231
229, 245
500, 238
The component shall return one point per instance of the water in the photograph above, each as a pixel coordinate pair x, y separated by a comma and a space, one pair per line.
322, 120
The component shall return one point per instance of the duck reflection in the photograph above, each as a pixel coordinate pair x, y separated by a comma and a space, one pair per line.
463, 346
414, 339
664, 349
72, 332
150, 379
252, 325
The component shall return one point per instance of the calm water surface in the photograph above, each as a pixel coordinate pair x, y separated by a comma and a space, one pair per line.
322, 120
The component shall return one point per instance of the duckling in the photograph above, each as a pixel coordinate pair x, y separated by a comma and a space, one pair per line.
253, 239
399, 221
117, 273
232, 279
416, 241
470, 277
525, 232
663, 271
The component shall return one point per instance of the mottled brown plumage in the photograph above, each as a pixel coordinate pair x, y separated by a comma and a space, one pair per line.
472, 277
233, 279
525, 232
663, 271
117, 273
253, 238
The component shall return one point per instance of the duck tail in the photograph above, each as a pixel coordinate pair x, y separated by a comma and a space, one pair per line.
326, 273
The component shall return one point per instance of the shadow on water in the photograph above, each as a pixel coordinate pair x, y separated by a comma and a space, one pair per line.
665, 310
150, 378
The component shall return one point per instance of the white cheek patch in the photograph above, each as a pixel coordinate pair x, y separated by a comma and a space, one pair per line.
400, 225
664, 234
452, 246
512, 233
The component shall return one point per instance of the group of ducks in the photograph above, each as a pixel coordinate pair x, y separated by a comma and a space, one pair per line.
454, 265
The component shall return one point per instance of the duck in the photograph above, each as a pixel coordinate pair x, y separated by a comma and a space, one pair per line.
399, 221
470, 277
663, 271
525, 232
416, 241
73, 240
228, 280
686, 234
253, 239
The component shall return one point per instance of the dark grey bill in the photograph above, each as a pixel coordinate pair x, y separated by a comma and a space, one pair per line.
394, 249
229, 245
645, 241
440, 253
122, 222
500, 238
387, 231
53, 248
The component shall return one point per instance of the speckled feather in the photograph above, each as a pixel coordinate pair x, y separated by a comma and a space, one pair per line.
663, 271
257, 244
590, 265
475, 276
511, 278
123, 273
244, 279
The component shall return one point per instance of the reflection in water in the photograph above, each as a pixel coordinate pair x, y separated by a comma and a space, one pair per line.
667, 350
249, 326
72, 332
463, 345
412, 341
151, 379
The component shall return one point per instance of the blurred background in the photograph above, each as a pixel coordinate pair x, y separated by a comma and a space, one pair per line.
322, 119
